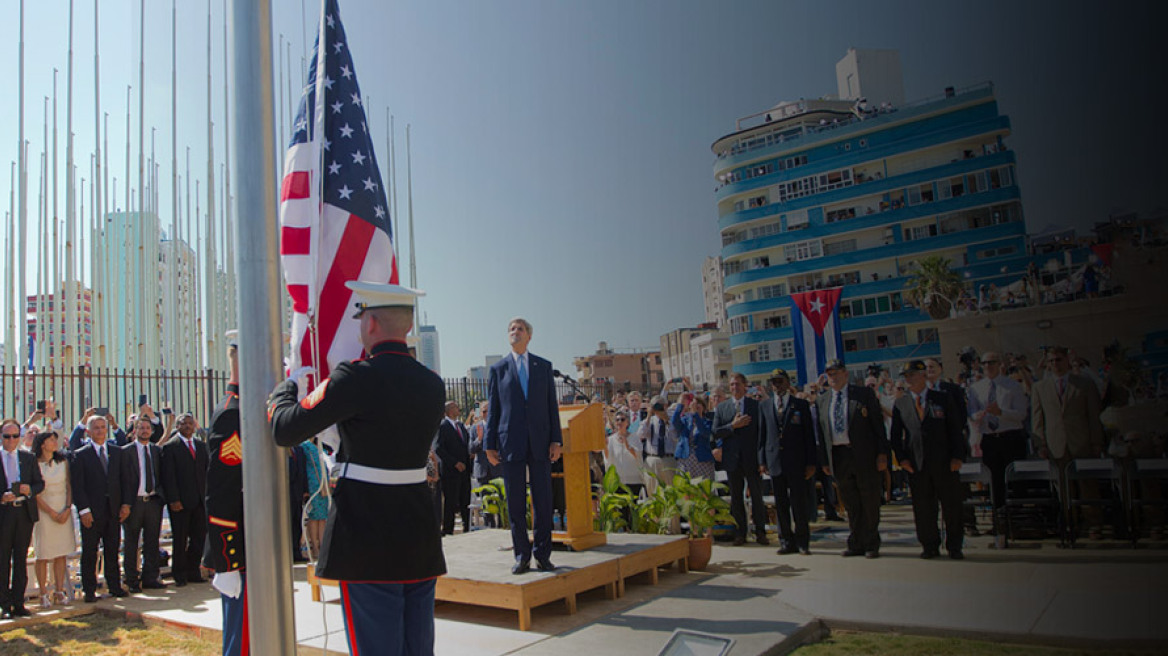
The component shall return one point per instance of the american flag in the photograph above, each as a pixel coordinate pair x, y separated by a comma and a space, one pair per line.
334, 219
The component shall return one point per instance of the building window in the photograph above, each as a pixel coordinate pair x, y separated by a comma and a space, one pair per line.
804, 250
786, 349
925, 335
797, 220
739, 325
921, 232
772, 291
845, 246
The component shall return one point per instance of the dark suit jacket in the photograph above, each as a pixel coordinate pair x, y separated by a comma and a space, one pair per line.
451, 448
865, 422
516, 426
30, 474
940, 433
131, 472
95, 488
184, 479
787, 444
739, 446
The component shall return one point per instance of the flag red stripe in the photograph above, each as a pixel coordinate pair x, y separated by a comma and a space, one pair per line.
348, 261
295, 241
295, 186
299, 294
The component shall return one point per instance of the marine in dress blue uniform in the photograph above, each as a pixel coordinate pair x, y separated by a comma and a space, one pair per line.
382, 540
224, 552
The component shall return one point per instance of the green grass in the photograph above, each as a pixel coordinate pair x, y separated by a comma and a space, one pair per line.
103, 635
894, 644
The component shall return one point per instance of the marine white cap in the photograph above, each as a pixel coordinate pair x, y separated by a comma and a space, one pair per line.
369, 295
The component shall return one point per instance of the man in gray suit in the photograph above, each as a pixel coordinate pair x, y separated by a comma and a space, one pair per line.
855, 448
1064, 414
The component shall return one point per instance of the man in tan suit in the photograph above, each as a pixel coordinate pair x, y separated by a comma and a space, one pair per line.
1064, 412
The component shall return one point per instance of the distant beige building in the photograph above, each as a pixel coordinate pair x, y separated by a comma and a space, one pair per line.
640, 370
713, 292
702, 353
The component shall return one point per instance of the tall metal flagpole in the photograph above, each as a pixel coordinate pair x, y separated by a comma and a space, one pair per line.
272, 624
22, 216
98, 211
171, 294
393, 189
70, 219
140, 300
11, 352
410, 206
209, 286
129, 357
53, 283
230, 320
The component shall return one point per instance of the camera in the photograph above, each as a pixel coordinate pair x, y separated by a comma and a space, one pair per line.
968, 357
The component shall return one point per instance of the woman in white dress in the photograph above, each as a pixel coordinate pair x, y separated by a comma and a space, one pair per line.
53, 536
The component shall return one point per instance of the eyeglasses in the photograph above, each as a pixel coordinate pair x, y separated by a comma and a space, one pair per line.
9, 436
990, 362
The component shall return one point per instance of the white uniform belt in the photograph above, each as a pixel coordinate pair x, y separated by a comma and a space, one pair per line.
383, 476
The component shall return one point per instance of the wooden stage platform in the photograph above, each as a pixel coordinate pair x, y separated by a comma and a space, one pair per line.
480, 574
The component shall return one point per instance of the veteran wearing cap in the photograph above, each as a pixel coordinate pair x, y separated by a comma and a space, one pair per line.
854, 447
224, 553
382, 539
930, 445
787, 452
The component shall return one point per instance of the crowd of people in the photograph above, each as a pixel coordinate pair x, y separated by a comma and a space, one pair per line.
103, 488
890, 436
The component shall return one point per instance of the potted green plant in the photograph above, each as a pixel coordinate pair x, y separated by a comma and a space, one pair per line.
701, 506
494, 499
614, 503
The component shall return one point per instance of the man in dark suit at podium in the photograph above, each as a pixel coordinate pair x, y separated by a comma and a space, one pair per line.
523, 433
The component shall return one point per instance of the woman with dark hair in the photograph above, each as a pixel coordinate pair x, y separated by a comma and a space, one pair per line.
53, 537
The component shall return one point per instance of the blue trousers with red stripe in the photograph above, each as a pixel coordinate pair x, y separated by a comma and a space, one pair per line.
235, 622
389, 619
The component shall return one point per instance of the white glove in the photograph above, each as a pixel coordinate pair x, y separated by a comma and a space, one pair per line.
228, 583
295, 376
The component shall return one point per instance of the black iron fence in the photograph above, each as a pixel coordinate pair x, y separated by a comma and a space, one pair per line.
75, 390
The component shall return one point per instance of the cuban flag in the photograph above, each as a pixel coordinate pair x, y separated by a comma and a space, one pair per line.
334, 219
816, 323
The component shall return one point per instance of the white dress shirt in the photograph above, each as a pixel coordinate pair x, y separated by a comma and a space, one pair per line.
1011, 400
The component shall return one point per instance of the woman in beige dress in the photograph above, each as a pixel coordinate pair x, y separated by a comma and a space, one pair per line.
53, 536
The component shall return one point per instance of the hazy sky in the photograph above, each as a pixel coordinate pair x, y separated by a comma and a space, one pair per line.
561, 150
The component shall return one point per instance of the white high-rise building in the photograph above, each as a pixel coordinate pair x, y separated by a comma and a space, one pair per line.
712, 292
870, 74
179, 331
428, 348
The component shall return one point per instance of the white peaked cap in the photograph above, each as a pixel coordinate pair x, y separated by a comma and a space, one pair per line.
369, 295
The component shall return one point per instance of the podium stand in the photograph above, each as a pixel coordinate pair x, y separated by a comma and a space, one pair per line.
583, 430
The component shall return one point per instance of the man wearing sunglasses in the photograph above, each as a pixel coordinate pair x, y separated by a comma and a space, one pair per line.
20, 480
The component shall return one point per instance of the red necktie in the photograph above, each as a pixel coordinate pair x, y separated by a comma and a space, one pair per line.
191, 447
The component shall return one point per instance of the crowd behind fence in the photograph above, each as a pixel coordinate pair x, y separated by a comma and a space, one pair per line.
74, 390
469, 391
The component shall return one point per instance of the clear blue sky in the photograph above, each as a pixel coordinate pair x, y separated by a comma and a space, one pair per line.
561, 158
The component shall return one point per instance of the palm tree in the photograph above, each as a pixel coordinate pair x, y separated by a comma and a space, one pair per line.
935, 287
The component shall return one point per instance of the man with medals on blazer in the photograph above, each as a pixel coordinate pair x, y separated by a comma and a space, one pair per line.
854, 447
929, 440
787, 452
382, 541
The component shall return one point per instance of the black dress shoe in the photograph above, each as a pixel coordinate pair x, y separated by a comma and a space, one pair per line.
929, 553
740, 540
761, 538
5, 615
956, 555
544, 565
871, 554
20, 611
118, 592
153, 585
134, 588
90, 597
848, 553
788, 549
833, 518
806, 551
179, 583
197, 579
521, 566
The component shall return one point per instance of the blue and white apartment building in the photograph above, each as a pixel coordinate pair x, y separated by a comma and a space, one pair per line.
851, 192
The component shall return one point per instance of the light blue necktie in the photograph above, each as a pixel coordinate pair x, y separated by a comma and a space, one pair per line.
523, 375
992, 397
12, 469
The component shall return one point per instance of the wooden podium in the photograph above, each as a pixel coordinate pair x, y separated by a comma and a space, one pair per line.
583, 430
